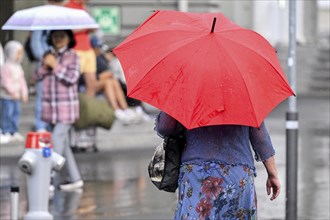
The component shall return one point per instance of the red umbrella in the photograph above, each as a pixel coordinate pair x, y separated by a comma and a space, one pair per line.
203, 69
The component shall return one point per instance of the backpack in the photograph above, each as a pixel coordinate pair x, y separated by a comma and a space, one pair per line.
28, 50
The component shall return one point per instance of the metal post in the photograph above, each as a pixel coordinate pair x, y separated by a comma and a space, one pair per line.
14, 198
292, 124
183, 5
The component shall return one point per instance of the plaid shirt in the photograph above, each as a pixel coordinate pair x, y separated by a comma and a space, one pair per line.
60, 89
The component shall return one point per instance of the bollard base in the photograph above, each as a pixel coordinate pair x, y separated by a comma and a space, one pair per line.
38, 215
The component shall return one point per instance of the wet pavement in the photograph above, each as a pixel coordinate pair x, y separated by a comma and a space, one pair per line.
117, 184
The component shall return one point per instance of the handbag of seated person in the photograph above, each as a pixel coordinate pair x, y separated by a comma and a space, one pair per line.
165, 163
94, 112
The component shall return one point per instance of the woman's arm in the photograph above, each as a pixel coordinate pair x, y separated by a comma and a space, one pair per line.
261, 142
165, 125
273, 184
262, 145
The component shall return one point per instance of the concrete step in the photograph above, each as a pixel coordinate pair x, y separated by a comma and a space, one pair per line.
320, 81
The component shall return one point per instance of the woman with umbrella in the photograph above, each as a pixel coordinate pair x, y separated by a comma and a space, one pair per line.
59, 73
220, 81
217, 172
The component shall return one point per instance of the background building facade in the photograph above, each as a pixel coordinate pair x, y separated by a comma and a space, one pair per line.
118, 18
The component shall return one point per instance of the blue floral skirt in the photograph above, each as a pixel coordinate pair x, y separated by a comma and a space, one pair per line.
212, 190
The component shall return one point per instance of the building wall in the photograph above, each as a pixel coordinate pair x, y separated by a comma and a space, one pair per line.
269, 18
134, 12
323, 17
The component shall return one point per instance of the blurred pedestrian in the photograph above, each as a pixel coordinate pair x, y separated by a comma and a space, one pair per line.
60, 72
3, 139
13, 91
118, 73
2, 60
217, 171
85, 52
39, 46
110, 86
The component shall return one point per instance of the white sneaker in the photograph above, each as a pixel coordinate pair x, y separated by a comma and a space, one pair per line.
51, 188
123, 116
5, 138
17, 137
71, 186
51, 191
134, 117
142, 114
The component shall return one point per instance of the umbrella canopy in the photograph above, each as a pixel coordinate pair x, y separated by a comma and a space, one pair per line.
50, 17
203, 69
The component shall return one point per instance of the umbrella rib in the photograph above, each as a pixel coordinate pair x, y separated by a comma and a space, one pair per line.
253, 51
164, 57
255, 116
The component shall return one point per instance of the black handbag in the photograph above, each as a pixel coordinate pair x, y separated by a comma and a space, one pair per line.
165, 163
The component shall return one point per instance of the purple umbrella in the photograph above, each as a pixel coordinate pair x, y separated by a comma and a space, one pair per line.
50, 17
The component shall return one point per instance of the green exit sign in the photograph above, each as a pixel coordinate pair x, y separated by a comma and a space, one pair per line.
108, 18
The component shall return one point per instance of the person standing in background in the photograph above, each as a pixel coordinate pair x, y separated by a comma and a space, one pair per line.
85, 52
39, 46
2, 60
3, 139
60, 73
13, 90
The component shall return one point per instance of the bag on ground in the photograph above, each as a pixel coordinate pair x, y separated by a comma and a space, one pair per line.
94, 112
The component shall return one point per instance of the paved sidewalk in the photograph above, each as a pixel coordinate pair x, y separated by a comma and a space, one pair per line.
311, 82
128, 141
119, 137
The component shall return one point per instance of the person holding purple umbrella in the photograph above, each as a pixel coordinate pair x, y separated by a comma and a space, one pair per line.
59, 74
39, 46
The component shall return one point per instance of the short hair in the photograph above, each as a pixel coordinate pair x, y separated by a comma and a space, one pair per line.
72, 41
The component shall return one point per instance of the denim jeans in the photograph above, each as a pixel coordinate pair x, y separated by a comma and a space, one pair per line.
10, 115
38, 123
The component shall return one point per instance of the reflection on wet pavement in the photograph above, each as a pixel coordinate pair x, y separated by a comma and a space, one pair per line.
116, 186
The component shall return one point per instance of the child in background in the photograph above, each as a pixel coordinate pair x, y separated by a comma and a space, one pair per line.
13, 90
59, 73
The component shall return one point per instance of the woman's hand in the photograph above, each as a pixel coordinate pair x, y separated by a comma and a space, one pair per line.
273, 186
50, 61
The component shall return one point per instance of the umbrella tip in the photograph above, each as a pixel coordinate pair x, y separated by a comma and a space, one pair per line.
213, 25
